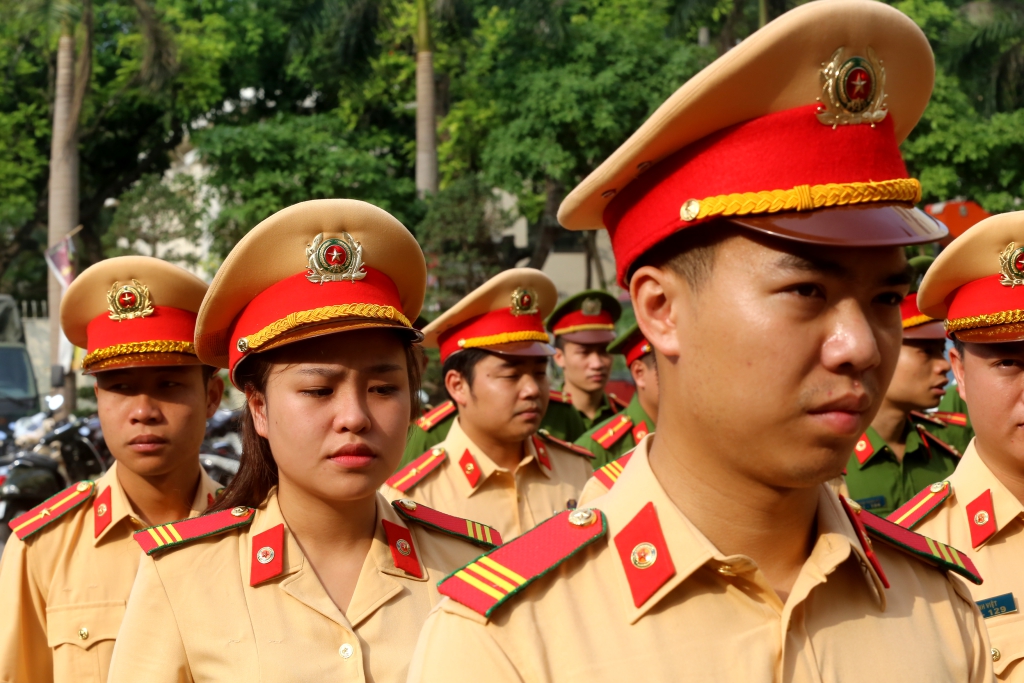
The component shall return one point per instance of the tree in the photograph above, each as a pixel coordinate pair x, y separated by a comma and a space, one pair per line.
163, 215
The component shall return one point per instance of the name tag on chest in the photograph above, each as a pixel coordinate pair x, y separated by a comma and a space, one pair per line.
872, 503
1000, 604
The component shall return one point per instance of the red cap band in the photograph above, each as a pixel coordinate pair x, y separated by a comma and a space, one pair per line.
578, 320
762, 155
911, 314
164, 324
490, 329
983, 303
640, 348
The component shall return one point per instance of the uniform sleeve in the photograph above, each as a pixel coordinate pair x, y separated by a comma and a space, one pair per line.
25, 654
976, 642
453, 649
149, 646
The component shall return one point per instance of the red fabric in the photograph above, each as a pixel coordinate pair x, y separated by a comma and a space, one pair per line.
500, 321
195, 527
640, 431
644, 528
639, 348
272, 538
441, 520
165, 324
101, 522
296, 293
983, 296
863, 449
35, 519
909, 309
858, 521
774, 152
577, 318
399, 538
542, 453
981, 532
470, 467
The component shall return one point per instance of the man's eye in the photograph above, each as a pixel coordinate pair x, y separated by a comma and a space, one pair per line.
890, 299
808, 289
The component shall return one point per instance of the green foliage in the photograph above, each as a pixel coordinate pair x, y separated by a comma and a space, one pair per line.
155, 214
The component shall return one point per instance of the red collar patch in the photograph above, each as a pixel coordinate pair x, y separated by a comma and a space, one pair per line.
403, 552
981, 518
470, 467
101, 512
644, 554
267, 555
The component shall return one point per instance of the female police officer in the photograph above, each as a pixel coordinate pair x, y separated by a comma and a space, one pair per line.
303, 572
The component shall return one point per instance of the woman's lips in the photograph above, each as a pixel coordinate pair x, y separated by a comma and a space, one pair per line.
353, 456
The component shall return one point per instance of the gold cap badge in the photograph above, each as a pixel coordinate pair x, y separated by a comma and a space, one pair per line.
524, 302
129, 301
591, 307
335, 259
852, 90
1011, 265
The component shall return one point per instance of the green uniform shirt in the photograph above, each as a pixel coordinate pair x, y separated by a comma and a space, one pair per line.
945, 419
617, 437
561, 420
609, 407
880, 483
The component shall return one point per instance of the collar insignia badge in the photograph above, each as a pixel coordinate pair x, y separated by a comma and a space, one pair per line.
129, 301
335, 259
852, 90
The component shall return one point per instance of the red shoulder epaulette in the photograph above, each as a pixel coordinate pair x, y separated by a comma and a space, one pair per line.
955, 419
943, 556
410, 475
558, 396
918, 507
578, 450
609, 474
616, 403
931, 440
926, 417
616, 428
51, 509
432, 418
165, 536
466, 529
487, 582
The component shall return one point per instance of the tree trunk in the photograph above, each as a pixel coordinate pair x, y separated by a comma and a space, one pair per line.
426, 115
548, 223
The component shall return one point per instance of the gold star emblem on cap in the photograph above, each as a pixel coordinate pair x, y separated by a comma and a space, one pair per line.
335, 259
852, 90
524, 301
126, 302
591, 306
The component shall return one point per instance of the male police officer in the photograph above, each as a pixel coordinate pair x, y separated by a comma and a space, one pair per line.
68, 569
757, 217
496, 462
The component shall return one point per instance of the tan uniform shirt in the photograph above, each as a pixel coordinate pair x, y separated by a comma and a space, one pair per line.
510, 501
715, 618
63, 590
999, 558
193, 615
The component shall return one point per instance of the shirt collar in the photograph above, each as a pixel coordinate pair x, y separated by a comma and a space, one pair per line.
458, 443
871, 444
690, 549
120, 508
637, 414
972, 478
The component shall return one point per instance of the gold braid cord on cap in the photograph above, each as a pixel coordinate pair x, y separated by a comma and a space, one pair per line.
986, 320
321, 315
579, 328
503, 338
916, 320
802, 198
133, 348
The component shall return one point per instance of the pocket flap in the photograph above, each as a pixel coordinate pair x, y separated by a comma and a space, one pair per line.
83, 624
1007, 643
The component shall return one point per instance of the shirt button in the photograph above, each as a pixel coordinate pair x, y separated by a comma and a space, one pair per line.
996, 654
83, 633
345, 651
726, 570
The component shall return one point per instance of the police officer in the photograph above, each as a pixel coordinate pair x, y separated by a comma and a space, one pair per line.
303, 572
582, 326
897, 455
69, 566
496, 465
758, 218
620, 433
978, 509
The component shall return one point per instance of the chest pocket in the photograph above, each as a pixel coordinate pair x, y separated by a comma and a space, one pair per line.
82, 637
1006, 632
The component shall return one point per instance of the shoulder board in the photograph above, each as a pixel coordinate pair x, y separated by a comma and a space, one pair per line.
612, 431
410, 475
51, 509
933, 441
486, 583
926, 417
616, 403
609, 474
432, 418
943, 556
955, 419
558, 396
165, 536
578, 450
466, 529
918, 507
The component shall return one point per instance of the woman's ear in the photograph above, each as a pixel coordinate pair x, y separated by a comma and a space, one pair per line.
656, 295
258, 408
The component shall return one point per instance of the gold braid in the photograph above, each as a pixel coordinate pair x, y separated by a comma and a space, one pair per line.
138, 347
503, 338
985, 320
321, 315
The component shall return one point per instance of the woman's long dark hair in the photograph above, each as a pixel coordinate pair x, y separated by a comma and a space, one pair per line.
257, 470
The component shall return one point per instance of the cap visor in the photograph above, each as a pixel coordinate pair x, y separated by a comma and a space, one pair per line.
142, 360
1011, 332
874, 225
527, 348
929, 330
590, 337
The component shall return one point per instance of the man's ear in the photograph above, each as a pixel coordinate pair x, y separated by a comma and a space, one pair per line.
458, 388
258, 408
559, 357
214, 393
639, 372
657, 295
957, 361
